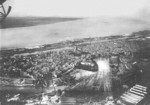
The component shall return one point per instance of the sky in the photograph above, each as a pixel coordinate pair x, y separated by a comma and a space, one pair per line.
78, 8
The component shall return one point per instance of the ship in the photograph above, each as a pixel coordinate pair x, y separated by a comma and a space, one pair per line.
87, 65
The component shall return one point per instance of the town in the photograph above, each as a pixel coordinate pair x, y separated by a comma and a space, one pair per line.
113, 67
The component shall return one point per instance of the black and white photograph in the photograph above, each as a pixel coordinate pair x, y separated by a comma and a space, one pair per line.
74, 52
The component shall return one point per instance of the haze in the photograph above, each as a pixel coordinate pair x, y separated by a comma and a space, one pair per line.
78, 8
113, 17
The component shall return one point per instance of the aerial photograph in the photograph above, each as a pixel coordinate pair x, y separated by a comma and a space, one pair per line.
74, 52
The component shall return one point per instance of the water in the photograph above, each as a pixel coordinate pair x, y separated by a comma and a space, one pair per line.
22, 37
